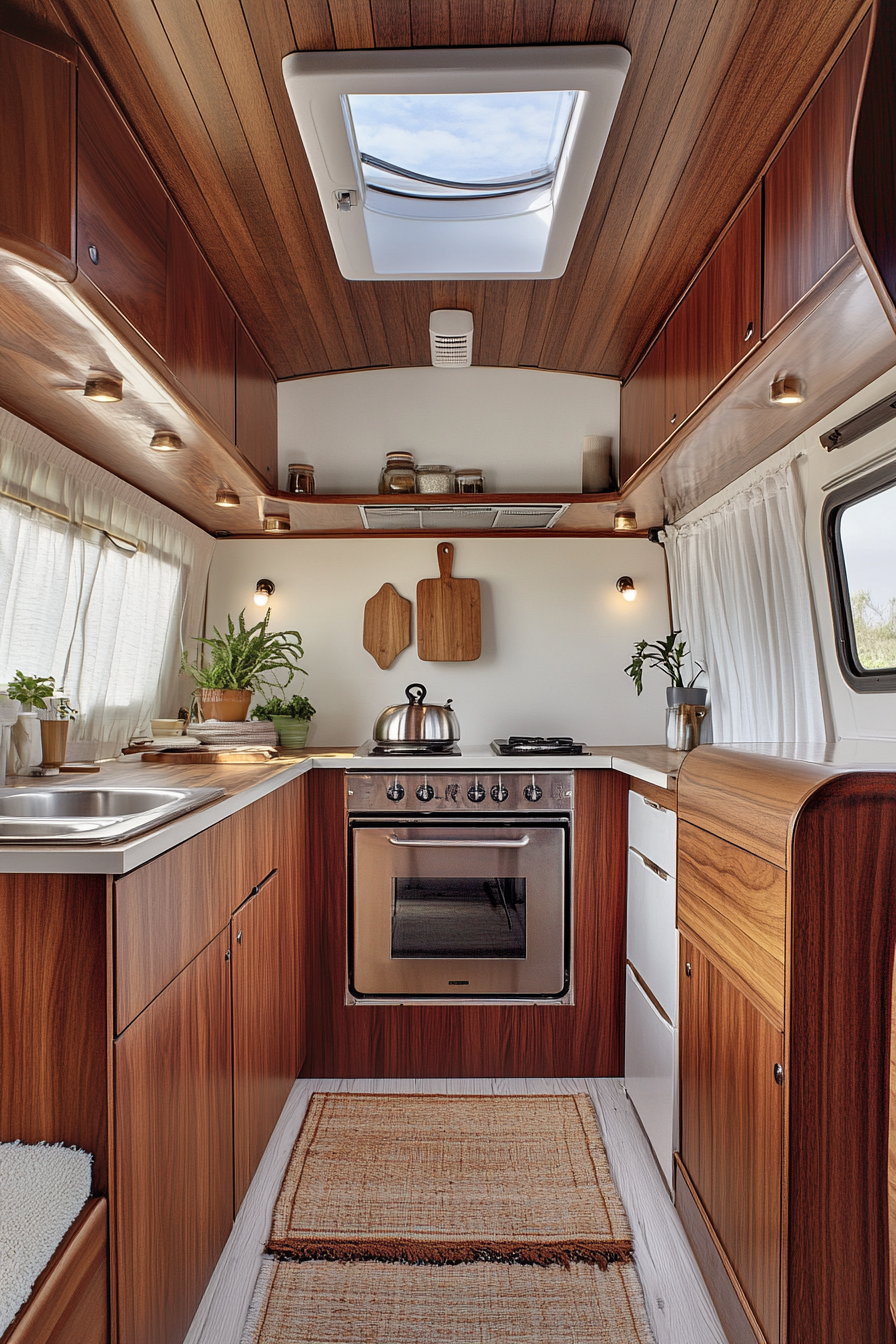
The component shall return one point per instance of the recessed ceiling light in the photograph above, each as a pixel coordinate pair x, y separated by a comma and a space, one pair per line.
227, 499
275, 522
787, 392
624, 520
163, 442
104, 387
455, 164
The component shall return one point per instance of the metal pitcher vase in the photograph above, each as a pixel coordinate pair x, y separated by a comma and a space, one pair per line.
683, 725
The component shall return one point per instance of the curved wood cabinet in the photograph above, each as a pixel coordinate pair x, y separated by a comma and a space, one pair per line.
872, 194
787, 873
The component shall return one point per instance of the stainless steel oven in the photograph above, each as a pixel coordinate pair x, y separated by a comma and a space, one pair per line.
459, 886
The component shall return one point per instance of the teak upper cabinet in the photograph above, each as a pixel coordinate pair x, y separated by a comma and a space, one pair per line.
718, 322
642, 411
256, 407
122, 213
806, 224
201, 328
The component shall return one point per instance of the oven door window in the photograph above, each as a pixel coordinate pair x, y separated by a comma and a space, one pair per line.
459, 917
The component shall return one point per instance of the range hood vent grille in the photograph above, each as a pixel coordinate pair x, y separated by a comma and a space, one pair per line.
460, 517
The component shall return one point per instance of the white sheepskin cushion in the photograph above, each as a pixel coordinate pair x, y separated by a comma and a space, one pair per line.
42, 1191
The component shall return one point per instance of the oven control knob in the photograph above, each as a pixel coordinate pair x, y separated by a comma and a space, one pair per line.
426, 792
476, 792
532, 792
395, 793
499, 793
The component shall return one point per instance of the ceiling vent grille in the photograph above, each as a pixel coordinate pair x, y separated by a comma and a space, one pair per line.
460, 517
451, 338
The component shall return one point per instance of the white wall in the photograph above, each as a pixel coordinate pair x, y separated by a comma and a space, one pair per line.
556, 634
523, 427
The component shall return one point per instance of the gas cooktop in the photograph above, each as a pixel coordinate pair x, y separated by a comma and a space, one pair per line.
538, 746
374, 748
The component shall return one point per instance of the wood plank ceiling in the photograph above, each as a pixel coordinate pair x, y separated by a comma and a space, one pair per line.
712, 88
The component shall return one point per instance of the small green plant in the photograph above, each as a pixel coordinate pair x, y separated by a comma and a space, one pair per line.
299, 707
246, 658
664, 654
31, 692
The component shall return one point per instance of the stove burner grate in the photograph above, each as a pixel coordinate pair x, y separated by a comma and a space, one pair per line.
538, 746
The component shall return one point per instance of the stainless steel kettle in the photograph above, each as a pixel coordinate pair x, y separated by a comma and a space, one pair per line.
417, 722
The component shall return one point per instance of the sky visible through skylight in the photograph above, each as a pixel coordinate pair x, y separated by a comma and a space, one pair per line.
476, 137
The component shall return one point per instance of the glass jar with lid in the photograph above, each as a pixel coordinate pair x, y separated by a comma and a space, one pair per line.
434, 480
469, 481
398, 476
301, 479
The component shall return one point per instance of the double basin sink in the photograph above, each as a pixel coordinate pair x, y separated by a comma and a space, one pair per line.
92, 816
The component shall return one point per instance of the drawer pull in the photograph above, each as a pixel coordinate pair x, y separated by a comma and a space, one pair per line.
651, 803
687, 969
654, 868
779, 1075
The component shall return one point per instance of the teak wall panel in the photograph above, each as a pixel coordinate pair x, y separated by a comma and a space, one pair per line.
122, 213
69, 1303
37, 147
477, 1041
53, 1014
806, 224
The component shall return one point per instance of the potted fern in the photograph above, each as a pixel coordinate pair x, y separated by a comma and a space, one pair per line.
291, 718
240, 663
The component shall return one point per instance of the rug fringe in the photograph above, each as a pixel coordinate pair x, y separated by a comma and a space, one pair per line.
397, 1250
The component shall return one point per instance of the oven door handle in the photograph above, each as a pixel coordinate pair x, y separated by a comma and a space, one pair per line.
460, 844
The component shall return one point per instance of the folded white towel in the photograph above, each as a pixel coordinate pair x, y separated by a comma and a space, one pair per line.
42, 1191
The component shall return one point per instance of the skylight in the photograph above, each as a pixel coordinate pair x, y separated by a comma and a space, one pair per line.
458, 164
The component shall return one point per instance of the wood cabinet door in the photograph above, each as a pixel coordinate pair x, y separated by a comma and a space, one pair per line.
264, 970
173, 1202
122, 213
732, 1127
256, 408
642, 411
201, 327
806, 224
718, 322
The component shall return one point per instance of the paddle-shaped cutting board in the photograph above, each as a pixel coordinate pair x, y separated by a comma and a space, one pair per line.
387, 625
449, 622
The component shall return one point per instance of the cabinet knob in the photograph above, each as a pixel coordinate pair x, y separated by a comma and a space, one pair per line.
748, 334
93, 253
673, 417
779, 1075
687, 969
239, 936
227, 955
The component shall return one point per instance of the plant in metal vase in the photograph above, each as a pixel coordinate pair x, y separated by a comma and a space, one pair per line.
240, 663
685, 702
291, 718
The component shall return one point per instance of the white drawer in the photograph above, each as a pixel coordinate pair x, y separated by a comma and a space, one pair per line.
651, 1074
652, 831
651, 936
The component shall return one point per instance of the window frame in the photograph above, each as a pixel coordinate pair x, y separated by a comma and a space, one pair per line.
860, 679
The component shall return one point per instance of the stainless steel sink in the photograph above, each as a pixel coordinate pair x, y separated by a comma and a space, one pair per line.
92, 816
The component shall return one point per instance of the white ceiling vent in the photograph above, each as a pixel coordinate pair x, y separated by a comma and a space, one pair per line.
451, 338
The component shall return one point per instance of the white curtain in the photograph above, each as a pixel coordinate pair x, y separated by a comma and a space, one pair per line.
105, 620
741, 595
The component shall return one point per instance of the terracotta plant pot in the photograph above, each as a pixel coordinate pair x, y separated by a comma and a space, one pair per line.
231, 706
53, 740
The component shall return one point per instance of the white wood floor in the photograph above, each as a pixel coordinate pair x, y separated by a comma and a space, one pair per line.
677, 1302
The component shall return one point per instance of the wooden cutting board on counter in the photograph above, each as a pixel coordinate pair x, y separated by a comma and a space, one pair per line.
449, 618
387, 626
213, 756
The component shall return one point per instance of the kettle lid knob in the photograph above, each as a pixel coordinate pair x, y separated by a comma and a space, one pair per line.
415, 693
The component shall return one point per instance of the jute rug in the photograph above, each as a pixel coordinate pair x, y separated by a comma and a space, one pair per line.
320, 1303
449, 1180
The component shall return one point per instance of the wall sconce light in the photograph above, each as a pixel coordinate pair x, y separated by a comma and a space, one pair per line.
626, 587
104, 387
264, 590
227, 499
165, 442
275, 522
624, 520
787, 392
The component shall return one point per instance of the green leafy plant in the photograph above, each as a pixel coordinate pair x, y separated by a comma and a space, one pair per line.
299, 707
246, 658
31, 692
664, 654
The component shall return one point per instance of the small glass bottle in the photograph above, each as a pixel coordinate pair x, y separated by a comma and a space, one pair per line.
468, 481
399, 477
301, 479
434, 480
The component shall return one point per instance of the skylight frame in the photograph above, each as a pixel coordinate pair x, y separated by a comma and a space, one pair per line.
437, 242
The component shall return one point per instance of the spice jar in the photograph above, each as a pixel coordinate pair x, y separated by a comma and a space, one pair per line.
468, 481
301, 479
398, 476
434, 480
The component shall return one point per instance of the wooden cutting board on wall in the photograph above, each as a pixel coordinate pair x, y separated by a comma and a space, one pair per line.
387, 625
449, 619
